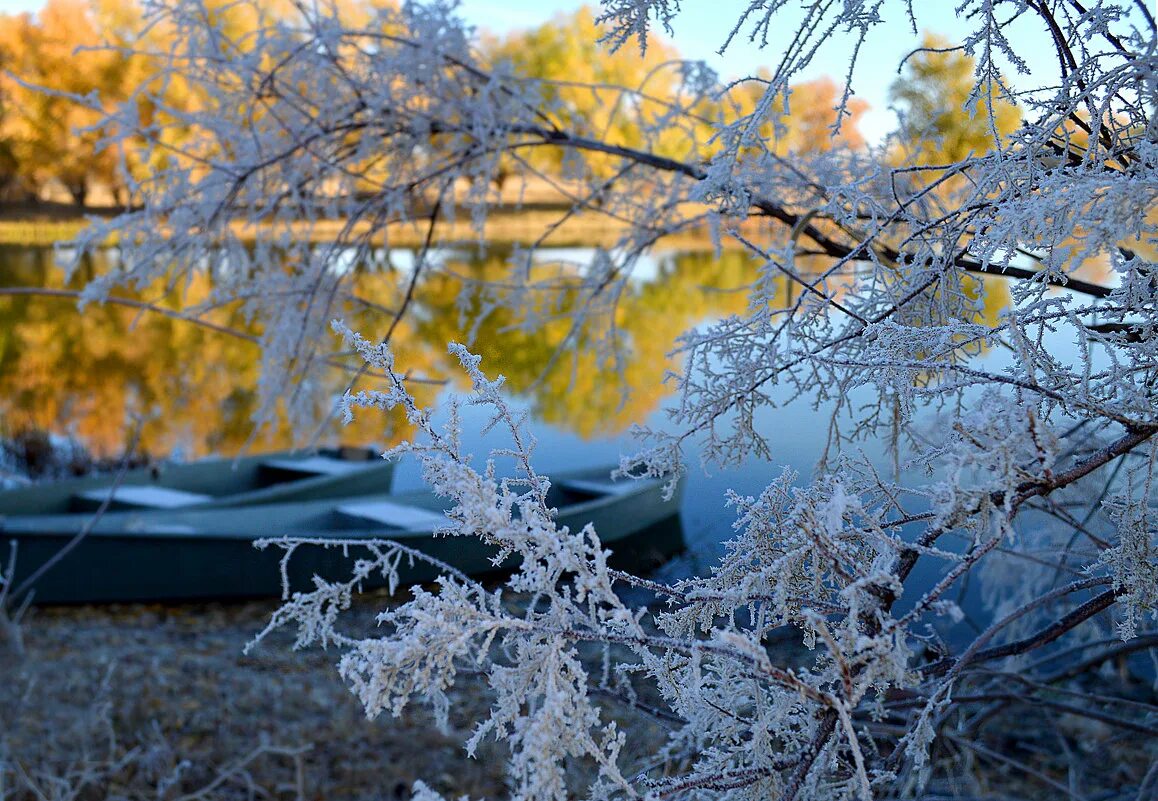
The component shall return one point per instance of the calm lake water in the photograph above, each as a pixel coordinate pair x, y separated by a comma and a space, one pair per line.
93, 374
100, 373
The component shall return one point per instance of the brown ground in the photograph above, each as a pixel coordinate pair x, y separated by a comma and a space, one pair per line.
160, 702
153, 702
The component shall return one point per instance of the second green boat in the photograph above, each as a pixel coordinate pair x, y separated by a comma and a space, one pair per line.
197, 554
212, 483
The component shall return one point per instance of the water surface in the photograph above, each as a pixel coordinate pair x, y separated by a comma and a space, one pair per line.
191, 390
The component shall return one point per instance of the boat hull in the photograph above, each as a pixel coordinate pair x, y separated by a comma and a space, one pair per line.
200, 555
225, 483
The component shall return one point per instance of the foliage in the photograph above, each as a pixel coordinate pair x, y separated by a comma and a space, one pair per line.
804, 122
944, 119
1035, 478
48, 135
582, 86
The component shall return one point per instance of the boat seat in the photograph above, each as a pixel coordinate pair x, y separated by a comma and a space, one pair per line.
139, 525
316, 466
395, 515
596, 486
138, 496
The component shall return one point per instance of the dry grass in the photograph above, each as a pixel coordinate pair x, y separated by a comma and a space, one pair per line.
155, 702
160, 702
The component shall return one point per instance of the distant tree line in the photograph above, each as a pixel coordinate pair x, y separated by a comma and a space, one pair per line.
94, 49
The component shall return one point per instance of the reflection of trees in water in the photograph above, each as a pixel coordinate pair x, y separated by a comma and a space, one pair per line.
600, 374
91, 372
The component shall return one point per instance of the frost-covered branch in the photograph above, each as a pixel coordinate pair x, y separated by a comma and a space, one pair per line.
988, 315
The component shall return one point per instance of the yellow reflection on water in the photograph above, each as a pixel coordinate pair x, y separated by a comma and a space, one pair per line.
94, 373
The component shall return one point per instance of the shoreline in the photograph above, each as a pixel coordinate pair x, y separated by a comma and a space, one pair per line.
48, 224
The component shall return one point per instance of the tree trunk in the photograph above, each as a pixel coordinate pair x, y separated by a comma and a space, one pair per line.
79, 192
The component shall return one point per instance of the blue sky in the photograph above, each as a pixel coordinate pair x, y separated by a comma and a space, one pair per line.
703, 26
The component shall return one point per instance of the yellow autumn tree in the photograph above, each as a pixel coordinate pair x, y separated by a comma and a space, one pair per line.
585, 88
941, 123
806, 123
64, 49
944, 123
95, 49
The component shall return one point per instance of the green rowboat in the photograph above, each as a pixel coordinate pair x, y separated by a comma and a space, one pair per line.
212, 483
197, 554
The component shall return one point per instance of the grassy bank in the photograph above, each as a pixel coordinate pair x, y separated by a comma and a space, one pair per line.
44, 227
